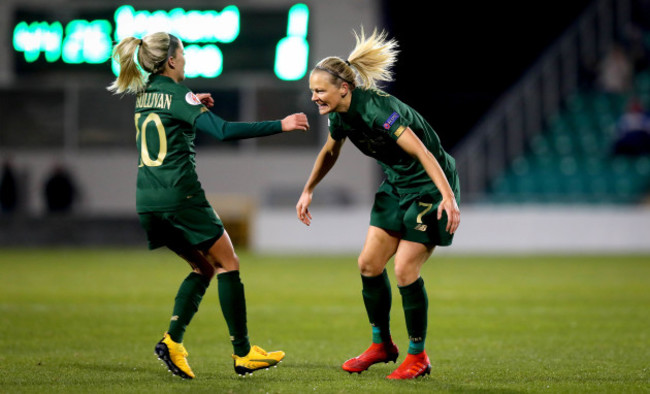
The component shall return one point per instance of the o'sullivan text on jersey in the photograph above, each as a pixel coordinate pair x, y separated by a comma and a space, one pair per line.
153, 100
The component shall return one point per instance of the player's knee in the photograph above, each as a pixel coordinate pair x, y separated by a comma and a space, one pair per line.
368, 267
227, 263
207, 272
232, 264
405, 275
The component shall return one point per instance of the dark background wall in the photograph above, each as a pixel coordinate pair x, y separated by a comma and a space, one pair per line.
458, 57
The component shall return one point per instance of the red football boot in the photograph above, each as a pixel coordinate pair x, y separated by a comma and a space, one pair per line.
376, 353
414, 365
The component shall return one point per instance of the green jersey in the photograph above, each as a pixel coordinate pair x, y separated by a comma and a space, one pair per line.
167, 116
374, 122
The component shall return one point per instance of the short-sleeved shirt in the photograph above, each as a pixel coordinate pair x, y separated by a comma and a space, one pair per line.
164, 118
374, 122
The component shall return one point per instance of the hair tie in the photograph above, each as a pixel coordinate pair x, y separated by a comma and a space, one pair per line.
347, 62
139, 41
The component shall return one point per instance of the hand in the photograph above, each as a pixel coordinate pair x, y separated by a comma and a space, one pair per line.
206, 99
302, 208
295, 122
449, 205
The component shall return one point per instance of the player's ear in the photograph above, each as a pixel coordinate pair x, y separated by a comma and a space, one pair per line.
345, 88
171, 62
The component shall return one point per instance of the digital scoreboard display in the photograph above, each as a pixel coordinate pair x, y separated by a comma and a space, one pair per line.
217, 42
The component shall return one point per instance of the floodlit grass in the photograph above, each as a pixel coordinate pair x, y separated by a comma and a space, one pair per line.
87, 321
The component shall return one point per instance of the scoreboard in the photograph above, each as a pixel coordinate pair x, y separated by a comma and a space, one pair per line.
217, 42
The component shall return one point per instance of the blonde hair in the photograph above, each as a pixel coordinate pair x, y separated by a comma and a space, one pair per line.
372, 57
152, 52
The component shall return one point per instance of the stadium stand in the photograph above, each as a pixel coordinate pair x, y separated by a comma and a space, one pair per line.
553, 137
572, 160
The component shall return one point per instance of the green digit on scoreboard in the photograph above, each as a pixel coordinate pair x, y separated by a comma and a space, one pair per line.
292, 52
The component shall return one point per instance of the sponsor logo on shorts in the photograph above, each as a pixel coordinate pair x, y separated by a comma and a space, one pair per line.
391, 119
421, 227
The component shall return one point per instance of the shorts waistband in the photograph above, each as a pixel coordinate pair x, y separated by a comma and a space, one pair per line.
417, 189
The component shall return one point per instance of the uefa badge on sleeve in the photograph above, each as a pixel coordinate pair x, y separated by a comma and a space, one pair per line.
192, 99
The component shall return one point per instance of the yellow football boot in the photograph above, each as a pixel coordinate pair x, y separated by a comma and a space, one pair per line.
175, 356
257, 358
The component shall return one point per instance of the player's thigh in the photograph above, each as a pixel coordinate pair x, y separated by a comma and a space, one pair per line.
387, 211
420, 222
162, 231
197, 226
222, 254
206, 232
200, 225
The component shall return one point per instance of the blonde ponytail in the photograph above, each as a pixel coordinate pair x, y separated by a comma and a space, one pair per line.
372, 57
152, 51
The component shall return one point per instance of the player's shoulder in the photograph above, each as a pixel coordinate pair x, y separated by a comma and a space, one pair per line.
374, 103
380, 94
180, 90
377, 98
182, 94
373, 93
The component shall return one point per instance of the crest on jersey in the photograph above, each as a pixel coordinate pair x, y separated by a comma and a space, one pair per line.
192, 99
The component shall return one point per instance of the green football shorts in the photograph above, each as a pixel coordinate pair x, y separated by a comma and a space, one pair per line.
413, 214
197, 226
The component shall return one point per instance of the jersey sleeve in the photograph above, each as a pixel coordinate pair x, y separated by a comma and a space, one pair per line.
222, 130
390, 118
186, 105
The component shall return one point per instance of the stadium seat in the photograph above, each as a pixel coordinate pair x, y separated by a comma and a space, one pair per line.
571, 161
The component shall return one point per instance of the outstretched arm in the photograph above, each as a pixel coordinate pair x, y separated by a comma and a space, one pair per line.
412, 145
212, 124
323, 164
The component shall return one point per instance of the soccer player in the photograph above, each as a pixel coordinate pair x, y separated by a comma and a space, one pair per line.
416, 206
170, 201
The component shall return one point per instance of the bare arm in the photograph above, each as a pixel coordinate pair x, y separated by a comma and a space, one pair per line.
323, 164
412, 145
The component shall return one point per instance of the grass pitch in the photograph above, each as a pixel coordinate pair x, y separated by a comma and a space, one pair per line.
88, 320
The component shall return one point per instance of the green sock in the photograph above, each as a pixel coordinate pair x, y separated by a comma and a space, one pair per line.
186, 304
233, 306
377, 298
416, 305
